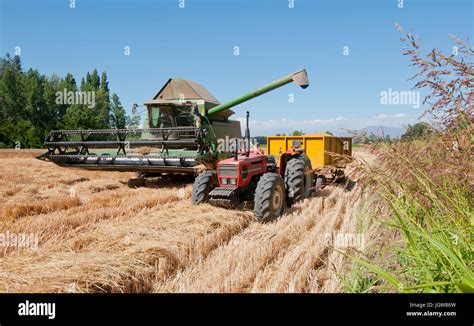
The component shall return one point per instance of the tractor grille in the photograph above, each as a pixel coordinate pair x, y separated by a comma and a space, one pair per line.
228, 170
222, 192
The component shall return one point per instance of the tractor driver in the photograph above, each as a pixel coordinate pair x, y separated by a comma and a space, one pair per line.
196, 115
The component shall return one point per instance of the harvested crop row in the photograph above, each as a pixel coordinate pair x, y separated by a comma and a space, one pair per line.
123, 255
288, 255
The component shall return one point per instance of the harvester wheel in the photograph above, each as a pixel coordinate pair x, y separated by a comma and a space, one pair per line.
136, 182
202, 186
298, 179
269, 197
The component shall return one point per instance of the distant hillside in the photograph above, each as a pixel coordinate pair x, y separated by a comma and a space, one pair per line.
379, 131
393, 132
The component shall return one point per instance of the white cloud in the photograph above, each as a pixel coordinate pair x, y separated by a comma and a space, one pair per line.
337, 124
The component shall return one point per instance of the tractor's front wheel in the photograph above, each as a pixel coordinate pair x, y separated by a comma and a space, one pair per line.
269, 197
202, 186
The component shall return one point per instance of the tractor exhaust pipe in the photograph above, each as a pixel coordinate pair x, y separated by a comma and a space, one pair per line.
236, 150
247, 137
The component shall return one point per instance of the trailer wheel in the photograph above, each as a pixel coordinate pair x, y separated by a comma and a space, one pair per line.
269, 197
339, 176
298, 179
202, 186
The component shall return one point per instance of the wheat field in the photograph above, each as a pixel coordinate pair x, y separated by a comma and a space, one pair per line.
95, 234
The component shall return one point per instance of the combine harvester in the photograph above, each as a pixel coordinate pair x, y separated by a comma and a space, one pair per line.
180, 134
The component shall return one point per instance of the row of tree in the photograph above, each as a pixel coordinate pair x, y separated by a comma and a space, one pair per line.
298, 133
32, 104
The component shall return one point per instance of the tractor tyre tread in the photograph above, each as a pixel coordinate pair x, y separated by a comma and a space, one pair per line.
202, 186
295, 184
263, 197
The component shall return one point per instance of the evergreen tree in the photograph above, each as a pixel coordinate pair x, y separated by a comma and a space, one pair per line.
17, 63
12, 100
103, 102
15, 126
95, 82
36, 108
117, 113
69, 80
104, 84
88, 81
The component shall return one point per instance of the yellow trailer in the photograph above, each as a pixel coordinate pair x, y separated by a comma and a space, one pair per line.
323, 150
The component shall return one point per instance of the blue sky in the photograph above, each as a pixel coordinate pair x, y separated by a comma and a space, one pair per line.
197, 43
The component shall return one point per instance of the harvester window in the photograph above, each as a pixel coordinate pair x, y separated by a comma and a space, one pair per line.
184, 118
162, 117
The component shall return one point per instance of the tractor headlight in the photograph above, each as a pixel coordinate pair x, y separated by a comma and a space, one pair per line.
224, 181
233, 181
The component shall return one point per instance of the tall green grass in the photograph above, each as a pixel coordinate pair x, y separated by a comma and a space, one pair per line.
433, 213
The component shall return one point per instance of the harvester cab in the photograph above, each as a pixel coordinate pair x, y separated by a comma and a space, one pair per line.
183, 103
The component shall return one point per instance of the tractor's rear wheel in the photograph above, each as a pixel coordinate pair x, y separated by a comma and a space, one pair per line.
269, 197
202, 186
298, 179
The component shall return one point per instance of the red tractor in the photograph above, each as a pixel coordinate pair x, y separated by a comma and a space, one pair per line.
252, 177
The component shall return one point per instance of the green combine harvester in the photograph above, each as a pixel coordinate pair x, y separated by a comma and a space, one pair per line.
180, 134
